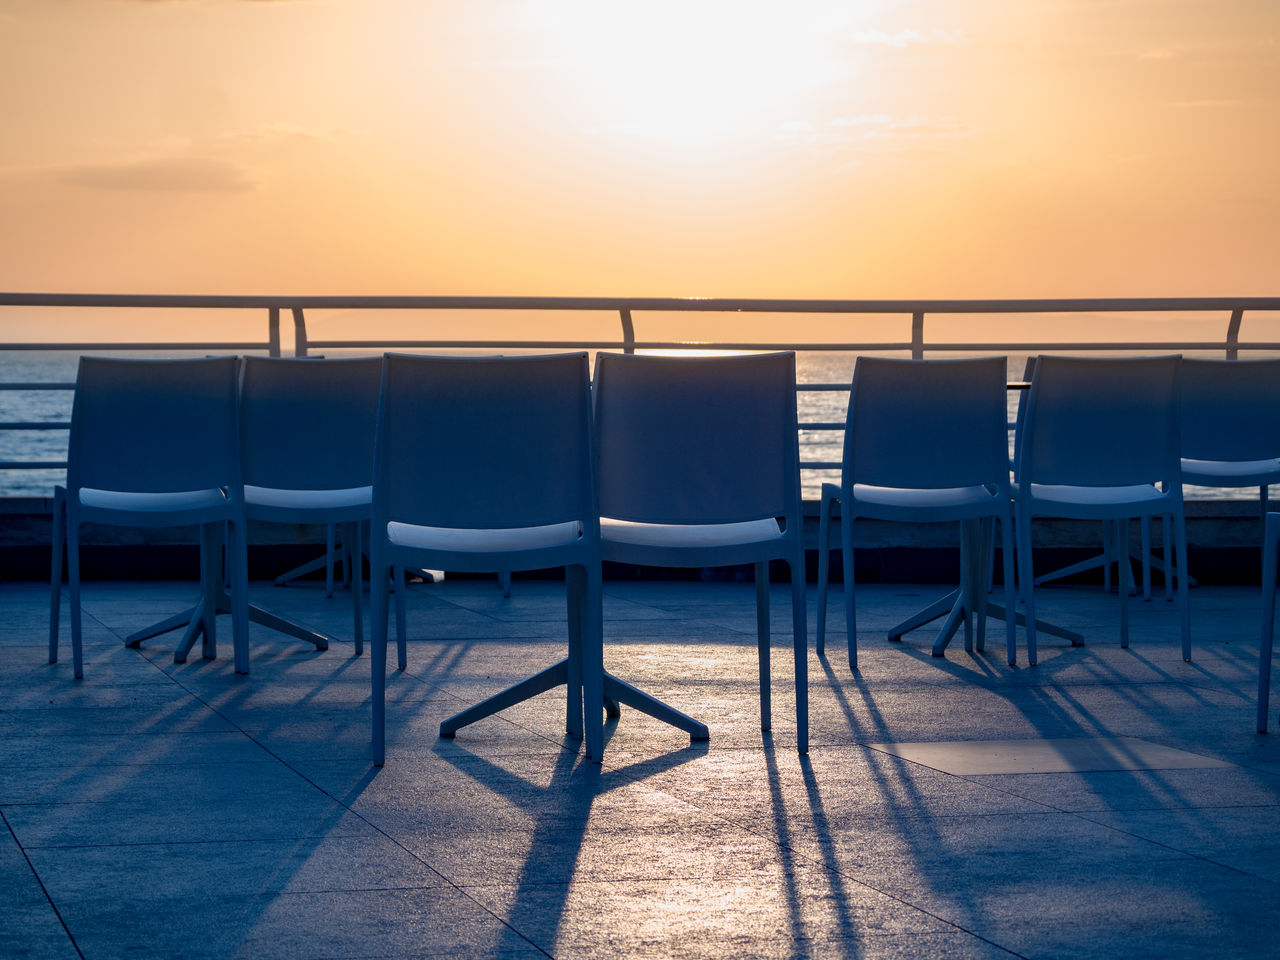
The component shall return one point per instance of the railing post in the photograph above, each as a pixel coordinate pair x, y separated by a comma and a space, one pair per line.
299, 333
628, 331
917, 335
273, 331
1233, 333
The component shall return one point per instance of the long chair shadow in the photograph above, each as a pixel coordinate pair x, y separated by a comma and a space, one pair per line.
538, 906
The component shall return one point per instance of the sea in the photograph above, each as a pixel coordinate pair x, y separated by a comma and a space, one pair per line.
52, 405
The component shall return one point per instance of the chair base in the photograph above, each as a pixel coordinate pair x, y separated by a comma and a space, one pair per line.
616, 692
195, 618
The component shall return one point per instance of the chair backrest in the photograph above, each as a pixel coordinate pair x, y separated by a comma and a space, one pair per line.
484, 442
927, 423
308, 424
1101, 422
697, 440
1230, 409
154, 426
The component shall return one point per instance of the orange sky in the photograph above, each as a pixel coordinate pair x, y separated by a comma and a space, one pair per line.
938, 148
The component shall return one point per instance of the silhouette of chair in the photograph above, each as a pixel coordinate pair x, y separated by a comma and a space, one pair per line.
154, 443
306, 429
1230, 427
925, 441
483, 465
1113, 552
1271, 544
1100, 441
699, 467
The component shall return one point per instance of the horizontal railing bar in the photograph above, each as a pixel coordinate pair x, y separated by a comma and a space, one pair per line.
36, 425
603, 345
33, 464
118, 346
705, 304
820, 464
39, 385
822, 425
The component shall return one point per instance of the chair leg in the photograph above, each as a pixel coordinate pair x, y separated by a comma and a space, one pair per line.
329, 547
1010, 589
1166, 529
238, 549
379, 577
1146, 558
850, 604
575, 588
356, 536
1271, 543
58, 543
593, 690
1026, 581
73, 588
762, 643
1124, 574
402, 651
800, 647
1184, 593
968, 543
824, 568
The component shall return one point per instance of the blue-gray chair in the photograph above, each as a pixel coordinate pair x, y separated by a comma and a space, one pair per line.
154, 443
484, 465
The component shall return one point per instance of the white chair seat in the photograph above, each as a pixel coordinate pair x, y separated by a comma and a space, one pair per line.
922, 498
152, 502
308, 499
1095, 496
690, 535
1231, 470
461, 540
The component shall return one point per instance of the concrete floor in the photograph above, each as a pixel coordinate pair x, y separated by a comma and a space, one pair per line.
162, 810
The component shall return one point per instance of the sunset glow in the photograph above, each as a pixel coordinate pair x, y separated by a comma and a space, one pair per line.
888, 148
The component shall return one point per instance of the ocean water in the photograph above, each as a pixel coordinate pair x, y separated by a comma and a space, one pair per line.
53, 406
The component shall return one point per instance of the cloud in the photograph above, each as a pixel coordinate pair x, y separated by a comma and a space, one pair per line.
172, 174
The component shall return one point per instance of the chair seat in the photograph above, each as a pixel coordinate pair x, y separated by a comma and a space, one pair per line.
152, 502
1136, 494
1245, 473
691, 535
921, 498
308, 499
468, 540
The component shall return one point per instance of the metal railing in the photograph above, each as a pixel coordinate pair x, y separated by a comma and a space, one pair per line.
1231, 309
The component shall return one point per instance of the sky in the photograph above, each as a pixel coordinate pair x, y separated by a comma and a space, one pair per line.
798, 149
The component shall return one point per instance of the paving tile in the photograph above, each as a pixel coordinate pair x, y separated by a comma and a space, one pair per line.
183, 810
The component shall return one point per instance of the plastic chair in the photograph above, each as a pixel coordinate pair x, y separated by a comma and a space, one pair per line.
1113, 551
306, 429
154, 443
1230, 426
1271, 544
483, 465
925, 441
699, 467
1100, 441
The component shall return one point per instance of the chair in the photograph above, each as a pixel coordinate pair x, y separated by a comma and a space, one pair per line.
1271, 544
483, 465
1100, 441
306, 431
1230, 425
925, 441
154, 443
699, 467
